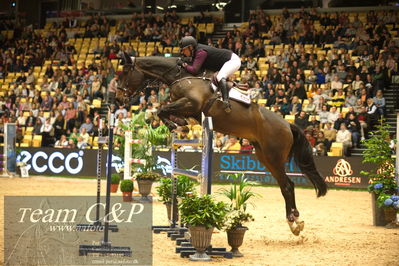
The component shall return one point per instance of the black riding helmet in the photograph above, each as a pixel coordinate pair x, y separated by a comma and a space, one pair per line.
188, 41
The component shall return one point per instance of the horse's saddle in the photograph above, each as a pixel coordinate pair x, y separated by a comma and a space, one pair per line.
237, 91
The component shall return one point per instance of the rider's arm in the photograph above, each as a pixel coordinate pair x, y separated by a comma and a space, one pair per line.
199, 59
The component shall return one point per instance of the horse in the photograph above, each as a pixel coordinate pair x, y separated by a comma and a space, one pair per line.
275, 140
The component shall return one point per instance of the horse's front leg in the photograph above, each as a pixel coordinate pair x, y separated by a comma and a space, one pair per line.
171, 114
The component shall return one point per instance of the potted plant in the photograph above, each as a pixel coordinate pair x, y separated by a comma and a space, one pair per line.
390, 205
185, 186
201, 214
115, 179
144, 181
127, 190
239, 194
383, 184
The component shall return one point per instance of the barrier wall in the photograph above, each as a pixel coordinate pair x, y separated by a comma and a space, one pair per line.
337, 171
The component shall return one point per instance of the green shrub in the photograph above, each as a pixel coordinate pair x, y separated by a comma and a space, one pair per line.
115, 179
127, 186
202, 211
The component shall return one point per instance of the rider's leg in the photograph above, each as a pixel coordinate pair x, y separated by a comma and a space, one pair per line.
227, 69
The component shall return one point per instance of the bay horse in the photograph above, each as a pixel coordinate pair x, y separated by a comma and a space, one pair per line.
274, 139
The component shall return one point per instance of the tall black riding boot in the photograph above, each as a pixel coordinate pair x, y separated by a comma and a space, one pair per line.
225, 95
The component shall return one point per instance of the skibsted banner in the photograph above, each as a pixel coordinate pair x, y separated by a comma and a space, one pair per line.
337, 171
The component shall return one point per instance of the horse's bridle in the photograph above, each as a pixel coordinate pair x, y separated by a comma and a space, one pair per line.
132, 66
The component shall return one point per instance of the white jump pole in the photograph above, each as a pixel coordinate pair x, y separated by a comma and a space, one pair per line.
127, 168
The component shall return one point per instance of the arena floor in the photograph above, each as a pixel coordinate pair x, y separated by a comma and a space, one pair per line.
338, 228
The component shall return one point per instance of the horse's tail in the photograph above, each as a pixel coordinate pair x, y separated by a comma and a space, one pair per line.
302, 153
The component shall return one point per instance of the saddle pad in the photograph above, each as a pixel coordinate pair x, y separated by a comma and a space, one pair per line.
238, 95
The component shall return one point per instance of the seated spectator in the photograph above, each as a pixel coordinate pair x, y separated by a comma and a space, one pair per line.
47, 131
82, 144
295, 107
301, 120
74, 135
351, 110
121, 110
30, 120
350, 99
379, 102
71, 144
218, 147
353, 126
62, 142
363, 121
85, 136
310, 138
232, 146
285, 107
322, 144
88, 125
330, 134
339, 121
372, 113
336, 84
338, 99
313, 122
310, 108
333, 115
246, 147
345, 137
323, 115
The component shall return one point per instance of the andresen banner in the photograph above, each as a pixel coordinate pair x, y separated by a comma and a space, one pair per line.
337, 171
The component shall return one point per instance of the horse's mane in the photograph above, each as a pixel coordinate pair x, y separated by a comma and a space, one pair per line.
150, 62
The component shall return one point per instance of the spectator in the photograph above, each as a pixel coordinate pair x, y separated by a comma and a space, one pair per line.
310, 108
62, 142
112, 87
233, 146
344, 137
379, 102
372, 113
82, 144
353, 126
121, 110
301, 120
85, 136
88, 125
333, 115
295, 107
47, 132
330, 134
339, 121
363, 118
350, 99
321, 144
246, 147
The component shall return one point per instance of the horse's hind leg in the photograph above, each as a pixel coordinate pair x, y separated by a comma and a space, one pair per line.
276, 165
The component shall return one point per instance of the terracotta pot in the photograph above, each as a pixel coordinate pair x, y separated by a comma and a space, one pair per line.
127, 196
390, 215
235, 237
114, 188
201, 240
169, 211
144, 187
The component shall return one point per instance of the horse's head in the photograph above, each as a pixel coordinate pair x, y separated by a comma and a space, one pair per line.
130, 80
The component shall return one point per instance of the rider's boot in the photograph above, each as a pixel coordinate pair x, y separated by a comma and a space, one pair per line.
225, 95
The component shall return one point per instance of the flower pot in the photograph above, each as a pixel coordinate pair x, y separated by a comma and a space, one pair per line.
127, 196
390, 215
169, 211
235, 237
144, 188
201, 240
378, 213
114, 188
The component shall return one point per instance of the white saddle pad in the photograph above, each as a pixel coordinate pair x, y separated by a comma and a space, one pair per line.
238, 96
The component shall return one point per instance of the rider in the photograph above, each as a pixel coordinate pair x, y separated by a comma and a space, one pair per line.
215, 59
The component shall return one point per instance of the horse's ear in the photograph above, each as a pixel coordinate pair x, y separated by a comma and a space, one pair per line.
126, 58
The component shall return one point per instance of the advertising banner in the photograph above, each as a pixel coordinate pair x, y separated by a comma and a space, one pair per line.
337, 171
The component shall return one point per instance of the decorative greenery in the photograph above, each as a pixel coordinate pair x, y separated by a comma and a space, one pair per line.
378, 152
239, 194
150, 137
115, 179
184, 185
202, 211
148, 176
127, 186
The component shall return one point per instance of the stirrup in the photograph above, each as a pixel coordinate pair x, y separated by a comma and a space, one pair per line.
227, 106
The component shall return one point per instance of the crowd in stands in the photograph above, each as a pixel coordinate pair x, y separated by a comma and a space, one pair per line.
325, 72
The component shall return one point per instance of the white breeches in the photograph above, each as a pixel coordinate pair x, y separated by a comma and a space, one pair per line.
229, 67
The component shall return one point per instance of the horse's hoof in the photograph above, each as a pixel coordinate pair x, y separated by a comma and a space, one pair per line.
300, 225
296, 231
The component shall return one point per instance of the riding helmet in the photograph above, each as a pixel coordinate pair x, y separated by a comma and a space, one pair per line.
188, 41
